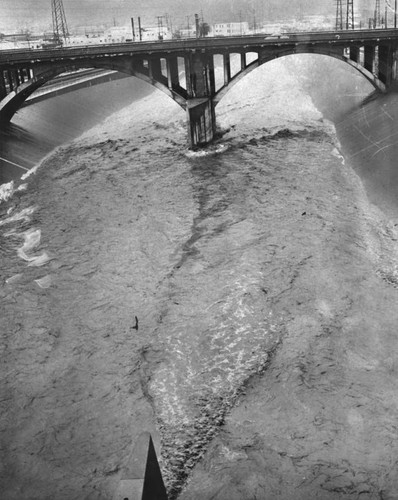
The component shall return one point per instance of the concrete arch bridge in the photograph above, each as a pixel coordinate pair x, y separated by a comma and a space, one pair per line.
185, 69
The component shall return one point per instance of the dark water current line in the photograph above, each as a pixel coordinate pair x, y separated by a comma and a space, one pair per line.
37, 129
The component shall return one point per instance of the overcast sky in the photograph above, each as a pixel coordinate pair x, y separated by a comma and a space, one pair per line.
35, 15
23, 14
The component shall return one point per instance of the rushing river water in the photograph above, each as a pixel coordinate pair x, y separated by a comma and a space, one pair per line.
125, 222
36, 130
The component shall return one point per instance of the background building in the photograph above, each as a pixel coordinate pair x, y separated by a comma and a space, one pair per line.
230, 29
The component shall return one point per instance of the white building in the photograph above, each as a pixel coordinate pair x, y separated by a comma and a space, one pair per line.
230, 29
120, 34
188, 32
116, 34
27, 45
154, 33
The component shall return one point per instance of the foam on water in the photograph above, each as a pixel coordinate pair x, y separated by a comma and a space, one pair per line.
33, 170
32, 240
44, 282
6, 191
208, 151
338, 155
23, 214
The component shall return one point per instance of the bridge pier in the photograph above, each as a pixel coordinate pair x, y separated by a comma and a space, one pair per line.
227, 68
3, 88
154, 69
201, 121
394, 70
173, 81
14, 79
369, 58
201, 114
354, 54
385, 64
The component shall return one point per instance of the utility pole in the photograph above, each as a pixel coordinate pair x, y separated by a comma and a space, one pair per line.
197, 27
395, 14
240, 22
60, 28
160, 27
376, 22
339, 15
132, 28
350, 15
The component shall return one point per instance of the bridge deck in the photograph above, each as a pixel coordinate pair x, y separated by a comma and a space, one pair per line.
210, 43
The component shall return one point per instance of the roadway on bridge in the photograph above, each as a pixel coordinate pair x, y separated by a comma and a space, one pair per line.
303, 38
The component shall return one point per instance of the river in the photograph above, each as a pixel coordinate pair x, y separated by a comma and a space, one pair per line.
37, 129
229, 257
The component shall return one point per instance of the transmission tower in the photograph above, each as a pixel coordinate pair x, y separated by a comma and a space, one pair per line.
60, 28
339, 15
377, 22
350, 15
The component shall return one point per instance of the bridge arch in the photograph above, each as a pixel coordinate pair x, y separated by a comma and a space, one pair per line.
122, 67
16, 98
370, 77
373, 54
